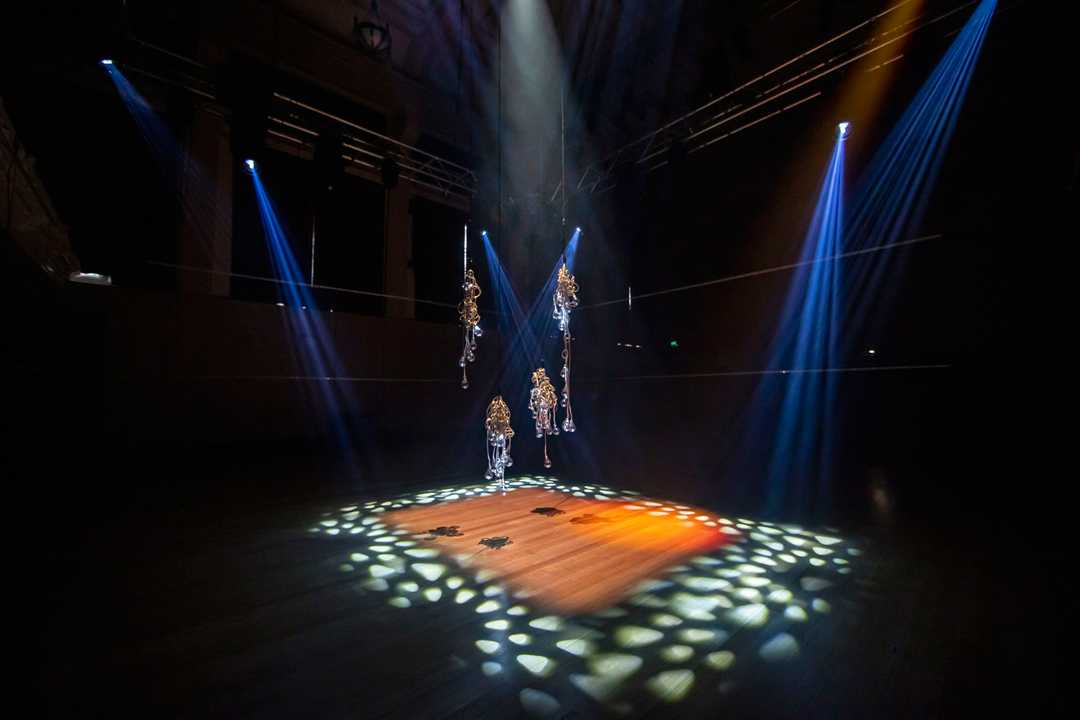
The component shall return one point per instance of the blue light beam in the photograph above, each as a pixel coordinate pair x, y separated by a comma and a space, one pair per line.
199, 198
798, 433
313, 347
892, 197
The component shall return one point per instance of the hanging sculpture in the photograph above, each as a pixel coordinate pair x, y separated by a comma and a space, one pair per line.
469, 314
499, 435
565, 299
544, 407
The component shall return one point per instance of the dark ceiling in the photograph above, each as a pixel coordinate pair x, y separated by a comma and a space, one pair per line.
632, 64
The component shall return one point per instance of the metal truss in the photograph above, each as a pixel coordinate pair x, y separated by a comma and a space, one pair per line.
789, 85
294, 121
298, 124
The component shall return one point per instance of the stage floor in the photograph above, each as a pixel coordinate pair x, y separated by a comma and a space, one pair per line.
594, 598
269, 591
569, 554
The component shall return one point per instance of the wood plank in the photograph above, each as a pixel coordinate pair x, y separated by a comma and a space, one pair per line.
584, 559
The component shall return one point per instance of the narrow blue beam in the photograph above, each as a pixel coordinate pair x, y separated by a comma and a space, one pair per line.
891, 199
199, 198
799, 461
312, 343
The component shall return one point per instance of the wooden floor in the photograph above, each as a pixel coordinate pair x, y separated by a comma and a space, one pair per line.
584, 555
226, 605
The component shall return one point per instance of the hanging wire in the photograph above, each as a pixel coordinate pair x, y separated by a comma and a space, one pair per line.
461, 51
565, 296
498, 182
499, 430
297, 283
790, 371
562, 135
766, 271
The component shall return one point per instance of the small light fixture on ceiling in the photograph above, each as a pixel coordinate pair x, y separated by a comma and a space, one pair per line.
372, 34
90, 278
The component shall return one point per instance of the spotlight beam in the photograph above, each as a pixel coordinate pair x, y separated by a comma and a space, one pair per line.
798, 432
892, 198
527, 330
198, 197
313, 348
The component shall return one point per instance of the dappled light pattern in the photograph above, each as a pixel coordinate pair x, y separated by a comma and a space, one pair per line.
685, 633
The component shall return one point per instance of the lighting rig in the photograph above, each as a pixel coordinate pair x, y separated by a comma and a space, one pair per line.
791, 84
294, 125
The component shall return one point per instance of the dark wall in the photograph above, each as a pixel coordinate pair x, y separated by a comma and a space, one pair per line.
124, 376
437, 232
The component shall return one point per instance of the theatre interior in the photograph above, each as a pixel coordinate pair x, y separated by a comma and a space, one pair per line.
534, 358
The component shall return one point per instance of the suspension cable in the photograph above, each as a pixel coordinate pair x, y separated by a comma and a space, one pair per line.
766, 271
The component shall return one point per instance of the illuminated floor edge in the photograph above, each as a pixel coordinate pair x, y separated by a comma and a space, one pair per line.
692, 629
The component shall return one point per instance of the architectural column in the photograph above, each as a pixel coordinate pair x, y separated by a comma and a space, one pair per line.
206, 229
399, 277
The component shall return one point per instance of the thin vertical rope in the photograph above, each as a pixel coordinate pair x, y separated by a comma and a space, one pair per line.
314, 220
461, 52
562, 145
498, 142
562, 133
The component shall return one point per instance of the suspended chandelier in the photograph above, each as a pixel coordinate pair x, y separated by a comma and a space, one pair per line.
469, 314
544, 406
499, 435
565, 299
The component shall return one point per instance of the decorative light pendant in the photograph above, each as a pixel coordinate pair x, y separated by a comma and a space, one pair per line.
544, 406
564, 300
469, 314
499, 435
